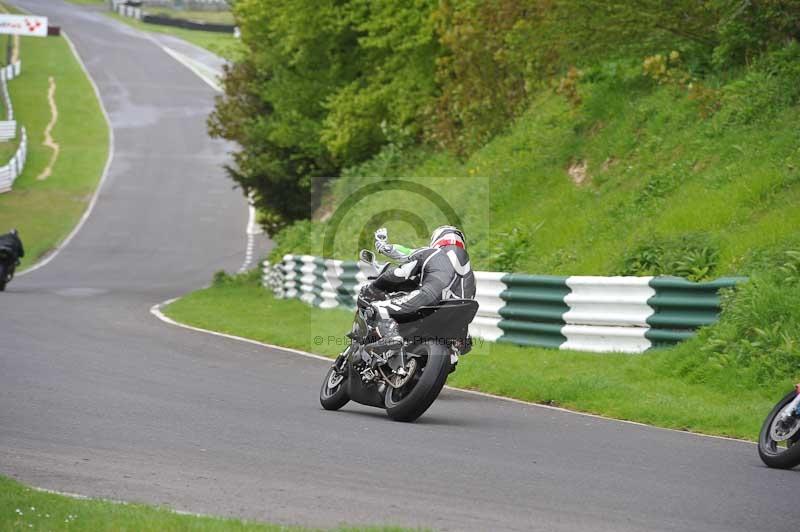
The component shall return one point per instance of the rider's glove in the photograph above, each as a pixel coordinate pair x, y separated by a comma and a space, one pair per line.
382, 244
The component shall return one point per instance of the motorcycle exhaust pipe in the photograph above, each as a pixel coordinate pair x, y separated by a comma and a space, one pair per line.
385, 344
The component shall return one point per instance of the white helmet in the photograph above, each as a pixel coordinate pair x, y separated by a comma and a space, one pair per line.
447, 235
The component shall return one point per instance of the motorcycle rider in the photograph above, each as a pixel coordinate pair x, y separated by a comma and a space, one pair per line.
11, 251
435, 273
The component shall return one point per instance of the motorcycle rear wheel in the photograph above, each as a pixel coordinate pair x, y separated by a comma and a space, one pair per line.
333, 393
771, 453
3, 276
407, 405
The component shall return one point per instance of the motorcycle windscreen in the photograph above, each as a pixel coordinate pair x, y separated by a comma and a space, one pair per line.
445, 322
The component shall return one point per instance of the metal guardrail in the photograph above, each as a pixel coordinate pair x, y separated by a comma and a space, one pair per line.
585, 313
321, 282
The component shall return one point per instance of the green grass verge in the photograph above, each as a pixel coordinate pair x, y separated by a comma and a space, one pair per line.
222, 44
45, 211
23, 508
650, 388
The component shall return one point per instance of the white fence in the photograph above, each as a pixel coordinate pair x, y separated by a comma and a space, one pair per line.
8, 127
120, 7
11, 71
12, 170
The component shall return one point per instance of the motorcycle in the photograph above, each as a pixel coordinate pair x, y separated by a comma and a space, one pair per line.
400, 367
779, 441
10, 253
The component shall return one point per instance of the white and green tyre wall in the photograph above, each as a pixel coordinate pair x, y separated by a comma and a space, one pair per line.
584, 313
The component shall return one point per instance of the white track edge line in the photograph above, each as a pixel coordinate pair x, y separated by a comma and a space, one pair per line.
189, 63
54, 253
155, 310
177, 56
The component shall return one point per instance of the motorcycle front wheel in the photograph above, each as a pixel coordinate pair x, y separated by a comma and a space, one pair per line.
333, 393
779, 441
411, 400
3, 276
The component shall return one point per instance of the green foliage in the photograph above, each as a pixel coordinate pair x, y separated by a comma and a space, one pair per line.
767, 88
297, 54
322, 85
694, 257
656, 172
481, 72
790, 269
327, 85
384, 102
220, 278
759, 332
746, 29
511, 248
296, 239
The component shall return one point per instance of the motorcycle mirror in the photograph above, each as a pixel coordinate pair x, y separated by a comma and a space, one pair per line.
366, 256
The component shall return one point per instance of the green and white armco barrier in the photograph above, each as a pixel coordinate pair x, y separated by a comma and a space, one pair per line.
584, 313
324, 283
588, 313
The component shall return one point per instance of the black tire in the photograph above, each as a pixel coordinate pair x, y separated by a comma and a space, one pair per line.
771, 455
3, 276
333, 398
425, 389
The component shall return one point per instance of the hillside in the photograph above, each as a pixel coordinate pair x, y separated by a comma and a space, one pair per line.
655, 186
636, 180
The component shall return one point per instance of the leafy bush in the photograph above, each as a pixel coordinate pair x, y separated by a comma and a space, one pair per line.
759, 330
694, 257
310, 95
670, 70
510, 248
296, 239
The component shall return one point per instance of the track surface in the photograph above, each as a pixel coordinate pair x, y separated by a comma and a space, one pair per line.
97, 397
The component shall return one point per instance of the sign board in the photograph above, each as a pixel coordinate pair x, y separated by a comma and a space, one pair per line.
23, 25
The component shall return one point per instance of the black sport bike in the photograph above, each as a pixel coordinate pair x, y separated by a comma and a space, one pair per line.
10, 253
402, 368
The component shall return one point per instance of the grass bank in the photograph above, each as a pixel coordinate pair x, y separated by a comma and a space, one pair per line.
632, 182
662, 388
222, 44
23, 508
208, 16
45, 211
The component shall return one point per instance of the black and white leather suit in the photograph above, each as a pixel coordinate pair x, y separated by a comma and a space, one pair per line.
431, 275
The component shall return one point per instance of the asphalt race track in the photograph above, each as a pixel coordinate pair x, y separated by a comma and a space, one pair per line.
100, 398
